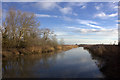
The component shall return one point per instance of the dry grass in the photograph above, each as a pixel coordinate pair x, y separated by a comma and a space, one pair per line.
9, 53
109, 54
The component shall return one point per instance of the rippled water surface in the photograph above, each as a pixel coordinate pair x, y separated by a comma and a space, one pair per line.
74, 63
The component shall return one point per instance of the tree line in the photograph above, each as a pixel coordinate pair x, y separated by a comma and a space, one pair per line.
21, 29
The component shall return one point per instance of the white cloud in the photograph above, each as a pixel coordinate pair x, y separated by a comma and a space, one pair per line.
113, 15
76, 3
86, 21
98, 6
94, 26
46, 5
113, 6
45, 15
68, 7
76, 29
66, 10
102, 15
75, 14
95, 36
89, 23
82, 5
54, 5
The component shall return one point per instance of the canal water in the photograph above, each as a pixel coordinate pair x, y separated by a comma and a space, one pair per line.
74, 63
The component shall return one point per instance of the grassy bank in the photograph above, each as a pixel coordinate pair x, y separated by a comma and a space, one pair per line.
108, 57
14, 52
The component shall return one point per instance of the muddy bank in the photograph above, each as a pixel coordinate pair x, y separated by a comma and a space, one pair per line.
15, 52
108, 57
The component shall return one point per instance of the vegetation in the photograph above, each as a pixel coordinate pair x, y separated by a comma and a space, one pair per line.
119, 43
108, 58
20, 30
21, 35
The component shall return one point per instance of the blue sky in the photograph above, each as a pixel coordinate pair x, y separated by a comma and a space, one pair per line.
76, 22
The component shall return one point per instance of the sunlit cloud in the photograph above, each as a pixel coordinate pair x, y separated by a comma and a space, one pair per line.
66, 10
76, 29
96, 36
98, 6
103, 15
89, 23
45, 15
82, 5
46, 5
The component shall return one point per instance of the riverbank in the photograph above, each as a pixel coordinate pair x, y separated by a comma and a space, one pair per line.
74, 63
108, 57
14, 52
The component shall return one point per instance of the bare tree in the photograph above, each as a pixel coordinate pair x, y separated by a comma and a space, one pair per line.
62, 42
18, 27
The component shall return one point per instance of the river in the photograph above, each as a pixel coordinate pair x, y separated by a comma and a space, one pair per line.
74, 63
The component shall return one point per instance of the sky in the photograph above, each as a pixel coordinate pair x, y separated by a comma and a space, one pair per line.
75, 22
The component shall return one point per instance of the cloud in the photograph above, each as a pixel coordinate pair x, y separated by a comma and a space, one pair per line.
81, 5
89, 23
66, 10
94, 26
85, 21
113, 15
45, 15
98, 7
89, 36
113, 6
80, 21
80, 30
46, 5
54, 5
75, 14
103, 15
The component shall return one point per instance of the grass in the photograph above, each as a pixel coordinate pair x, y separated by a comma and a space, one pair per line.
109, 56
9, 53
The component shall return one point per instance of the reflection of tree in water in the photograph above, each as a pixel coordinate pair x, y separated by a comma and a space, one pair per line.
20, 66
50, 59
16, 66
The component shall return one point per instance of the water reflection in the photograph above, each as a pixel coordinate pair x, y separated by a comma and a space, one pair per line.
108, 63
75, 63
